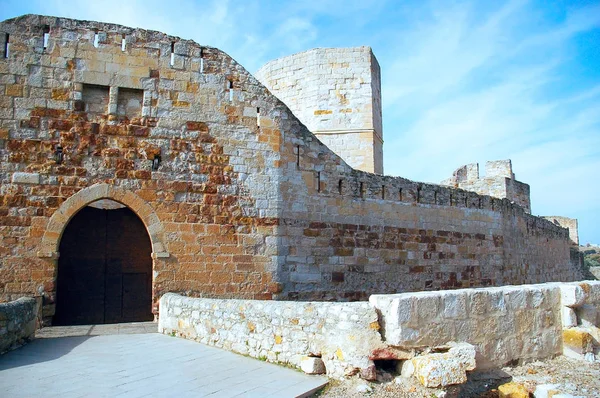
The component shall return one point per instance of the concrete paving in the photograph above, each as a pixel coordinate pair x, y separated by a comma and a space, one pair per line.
132, 360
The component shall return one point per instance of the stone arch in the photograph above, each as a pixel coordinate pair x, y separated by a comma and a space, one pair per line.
70, 207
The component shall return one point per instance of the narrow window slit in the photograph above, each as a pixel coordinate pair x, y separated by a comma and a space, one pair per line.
96, 39
230, 85
400, 194
123, 43
318, 181
258, 116
383, 192
418, 194
435, 197
450, 199
298, 156
479, 205
201, 60
340, 186
6, 45
172, 53
46, 36
362, 190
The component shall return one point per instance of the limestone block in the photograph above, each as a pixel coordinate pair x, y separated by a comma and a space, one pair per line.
25, 178
569, 317
444, 369
577, 342
312, 365
572, 295
513, 390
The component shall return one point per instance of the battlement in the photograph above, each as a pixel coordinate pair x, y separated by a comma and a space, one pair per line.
499, 181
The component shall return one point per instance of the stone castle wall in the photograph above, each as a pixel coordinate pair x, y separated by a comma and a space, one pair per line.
336, 93
566, 222
245, 201
210, 208
499, 181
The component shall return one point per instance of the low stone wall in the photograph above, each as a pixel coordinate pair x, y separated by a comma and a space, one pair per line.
505, 325
342, 334
17, 322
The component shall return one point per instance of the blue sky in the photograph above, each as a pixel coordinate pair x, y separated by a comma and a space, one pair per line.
463, 81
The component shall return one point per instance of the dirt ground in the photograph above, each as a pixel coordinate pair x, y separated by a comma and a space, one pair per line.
578, 378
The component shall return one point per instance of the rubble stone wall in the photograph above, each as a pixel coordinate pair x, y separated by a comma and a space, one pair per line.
342, 334
18, 321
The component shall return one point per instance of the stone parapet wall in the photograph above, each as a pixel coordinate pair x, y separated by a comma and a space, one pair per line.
342, 334
18, 322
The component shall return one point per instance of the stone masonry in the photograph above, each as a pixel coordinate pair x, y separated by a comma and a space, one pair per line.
499, 182
239, 198
336, 93
566, 222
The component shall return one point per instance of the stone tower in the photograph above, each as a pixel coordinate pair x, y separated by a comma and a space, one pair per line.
336, 93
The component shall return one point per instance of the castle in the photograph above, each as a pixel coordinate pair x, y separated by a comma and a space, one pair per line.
135, 163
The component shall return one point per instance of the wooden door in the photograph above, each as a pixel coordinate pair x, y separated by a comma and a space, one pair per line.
104, 269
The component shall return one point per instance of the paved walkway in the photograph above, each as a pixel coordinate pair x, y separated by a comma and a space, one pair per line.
118, 360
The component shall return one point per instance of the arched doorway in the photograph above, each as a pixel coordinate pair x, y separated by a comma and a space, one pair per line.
104, 268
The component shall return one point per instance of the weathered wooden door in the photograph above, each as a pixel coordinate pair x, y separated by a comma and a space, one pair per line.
104, 269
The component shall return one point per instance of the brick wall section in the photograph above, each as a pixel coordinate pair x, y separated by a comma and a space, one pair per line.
242, 205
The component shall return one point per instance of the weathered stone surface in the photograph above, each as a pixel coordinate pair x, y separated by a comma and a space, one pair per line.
347, 118
18, 321
572, 295
499, 181
513, 390
444, 369
283, 332
490, 319
312, 365
25, 178
577, 342
569, 317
